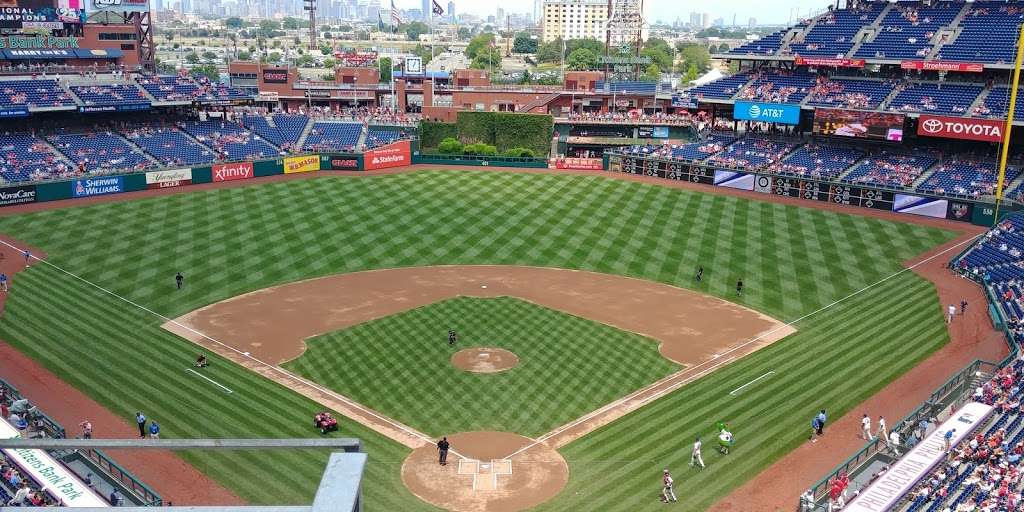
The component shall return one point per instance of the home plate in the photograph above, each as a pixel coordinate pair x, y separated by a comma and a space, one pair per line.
483, 286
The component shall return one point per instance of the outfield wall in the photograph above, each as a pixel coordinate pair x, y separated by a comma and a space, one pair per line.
900, 201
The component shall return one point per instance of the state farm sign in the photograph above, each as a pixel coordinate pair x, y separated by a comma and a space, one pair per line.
395, 154
985, 130
232, 172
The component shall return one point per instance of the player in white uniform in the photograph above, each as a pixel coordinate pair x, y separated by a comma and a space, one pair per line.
668, 493
695, 459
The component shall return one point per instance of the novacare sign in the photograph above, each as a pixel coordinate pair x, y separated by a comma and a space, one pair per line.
766, 112
985, 130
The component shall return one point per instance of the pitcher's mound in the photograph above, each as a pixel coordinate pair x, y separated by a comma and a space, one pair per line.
489, 476
484, 360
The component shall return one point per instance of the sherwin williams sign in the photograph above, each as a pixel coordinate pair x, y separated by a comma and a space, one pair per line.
301, 164
97, 186
766, 112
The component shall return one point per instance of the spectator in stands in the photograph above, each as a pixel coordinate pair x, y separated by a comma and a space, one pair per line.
86, 429
947, 438
115, 498
21, 496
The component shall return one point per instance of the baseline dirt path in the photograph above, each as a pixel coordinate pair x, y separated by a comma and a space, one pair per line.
971, 337
167, 474
267, 327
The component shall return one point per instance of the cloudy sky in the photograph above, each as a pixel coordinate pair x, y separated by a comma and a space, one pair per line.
766, 11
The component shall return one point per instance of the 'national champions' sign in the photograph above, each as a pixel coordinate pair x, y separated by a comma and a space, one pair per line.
766, 112
985, 130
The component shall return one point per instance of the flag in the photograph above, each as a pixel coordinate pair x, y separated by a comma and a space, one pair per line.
395, 18
380, 22
438, 11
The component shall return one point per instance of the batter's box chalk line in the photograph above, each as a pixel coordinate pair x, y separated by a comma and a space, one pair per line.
485, 474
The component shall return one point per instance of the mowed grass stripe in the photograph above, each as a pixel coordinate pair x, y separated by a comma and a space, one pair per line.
232, 241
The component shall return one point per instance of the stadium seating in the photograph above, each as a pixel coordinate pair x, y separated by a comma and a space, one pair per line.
99, 151
722, 89
327, 135
170, 146
627, 87
906, 31
381, 135
817, 161
33, 93
24, 157
697, 151
259, 124
230, 140
778, 87
989, 34
953, 99
997, 104
890, 170
849, 93
291, 126
767, 45
170, 88
752, 153
966, 178
834, 31
109, 94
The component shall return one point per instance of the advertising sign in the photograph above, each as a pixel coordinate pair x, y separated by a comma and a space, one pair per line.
829, 63
299, 164
985, 130
588, 164
13, 112
17, 195
680, 101
766, 112
339, 163
859, 125
168, 179
395, 154
275, 76
232, 172
413, 66
933, 65
125, 107
97, 186
888, 489
31, 14
119, 5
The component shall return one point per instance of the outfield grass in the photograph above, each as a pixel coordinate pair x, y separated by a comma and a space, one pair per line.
229, 241
401, 365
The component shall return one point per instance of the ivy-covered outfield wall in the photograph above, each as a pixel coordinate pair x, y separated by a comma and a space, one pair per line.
506, 130
503, 130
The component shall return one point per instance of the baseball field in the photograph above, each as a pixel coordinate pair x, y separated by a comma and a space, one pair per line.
93, 314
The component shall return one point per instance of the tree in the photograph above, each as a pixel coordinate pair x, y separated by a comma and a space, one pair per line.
653, 73
268, 27
169, 36
325, 50
523, 43
274, 57
464, 33
723, 48
192, 58
550, 52
450, 146
385, 69
290, 23
176, 46
329, 63
296, 41
208, 70
208, 55
589, 43
581, 59
424, 52
692, 73
658, 56
691, 53
244, 55
478, 44
415, 29
488, 58
525, 78
304, 61
234, 22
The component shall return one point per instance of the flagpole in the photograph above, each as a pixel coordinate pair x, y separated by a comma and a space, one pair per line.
1012, 107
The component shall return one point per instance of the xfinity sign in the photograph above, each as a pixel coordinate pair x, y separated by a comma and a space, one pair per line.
766, 112
984, 130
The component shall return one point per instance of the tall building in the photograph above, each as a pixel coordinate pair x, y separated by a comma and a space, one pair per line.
426, 11
574, 19
451, 12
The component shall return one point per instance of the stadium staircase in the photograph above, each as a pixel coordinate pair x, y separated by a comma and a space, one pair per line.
798, 33
146, 94
979, 101
138, 149
884, 105
848, 170
67, 89
927, 174
539, 102
305, 133
56, 152
361, 142
868, 33
191, 137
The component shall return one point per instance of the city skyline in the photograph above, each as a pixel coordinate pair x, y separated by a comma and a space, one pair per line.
781, 12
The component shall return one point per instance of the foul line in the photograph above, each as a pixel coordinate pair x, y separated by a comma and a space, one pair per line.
265, 364
215, 383
733, 392
677, 385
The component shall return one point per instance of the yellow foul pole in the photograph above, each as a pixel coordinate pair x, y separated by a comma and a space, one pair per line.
1009, 123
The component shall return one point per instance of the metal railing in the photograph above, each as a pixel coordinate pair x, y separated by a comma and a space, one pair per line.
123, 477
50, 426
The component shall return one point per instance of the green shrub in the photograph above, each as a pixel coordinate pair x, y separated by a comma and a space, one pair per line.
450, 146
520, 153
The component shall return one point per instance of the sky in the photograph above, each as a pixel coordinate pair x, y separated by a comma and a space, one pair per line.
766, 11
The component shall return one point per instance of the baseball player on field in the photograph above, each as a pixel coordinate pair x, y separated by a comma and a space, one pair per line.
695, 458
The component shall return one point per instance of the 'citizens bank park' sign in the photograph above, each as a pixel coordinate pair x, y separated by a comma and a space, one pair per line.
232, 172
985, 130
168, 179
